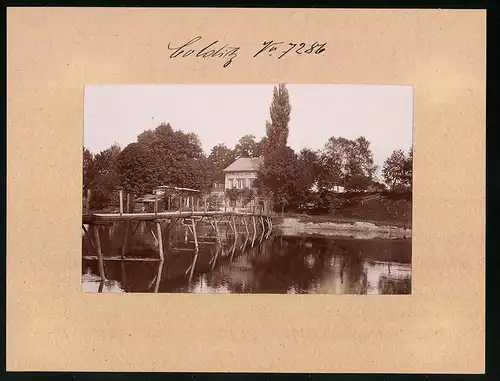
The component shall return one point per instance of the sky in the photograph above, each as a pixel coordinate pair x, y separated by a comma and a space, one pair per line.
224, 113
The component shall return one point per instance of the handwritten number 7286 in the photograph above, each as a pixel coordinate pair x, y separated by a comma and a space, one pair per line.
272, 46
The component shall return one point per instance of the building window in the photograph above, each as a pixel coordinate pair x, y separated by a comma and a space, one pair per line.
250, 183
240, 183
230, 183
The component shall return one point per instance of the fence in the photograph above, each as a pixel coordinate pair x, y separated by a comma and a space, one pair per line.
121, 202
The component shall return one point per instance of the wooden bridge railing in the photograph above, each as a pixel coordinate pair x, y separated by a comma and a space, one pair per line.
128, 204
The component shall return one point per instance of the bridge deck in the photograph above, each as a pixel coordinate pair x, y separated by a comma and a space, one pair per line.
110, 217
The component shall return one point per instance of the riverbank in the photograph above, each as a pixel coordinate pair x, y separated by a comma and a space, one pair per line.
375, 215
329, 225
290, 226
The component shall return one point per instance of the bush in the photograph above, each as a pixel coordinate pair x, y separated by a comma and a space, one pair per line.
247, 195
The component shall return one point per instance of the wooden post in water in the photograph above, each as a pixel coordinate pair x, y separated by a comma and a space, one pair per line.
101, 286
158, 276
125, 239
263, 228
156, 203
95, 229
217, 250
87, 202
194, 234
121, 202
269, 226
235, 232
193, 265
160, 240
128, 202
217, 231
246, 227
234, 226
254, 230
192, 204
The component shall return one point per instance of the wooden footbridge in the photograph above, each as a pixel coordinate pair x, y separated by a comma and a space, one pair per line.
254, 224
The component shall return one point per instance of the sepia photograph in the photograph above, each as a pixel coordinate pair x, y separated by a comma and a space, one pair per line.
264, 189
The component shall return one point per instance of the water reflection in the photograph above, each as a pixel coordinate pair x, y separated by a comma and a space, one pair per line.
277, 265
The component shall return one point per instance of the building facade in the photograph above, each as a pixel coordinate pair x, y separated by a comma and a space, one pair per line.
242, 173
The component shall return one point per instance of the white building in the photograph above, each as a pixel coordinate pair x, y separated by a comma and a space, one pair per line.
242, 173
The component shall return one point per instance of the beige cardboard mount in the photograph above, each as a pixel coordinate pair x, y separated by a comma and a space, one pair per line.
51, 325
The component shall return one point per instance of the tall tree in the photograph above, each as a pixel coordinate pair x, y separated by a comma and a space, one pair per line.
335, 159
310, 172
220, 157
261, 147
349, 163
277, 128
89, 172
105, 160
364, 157
279, 177
394, 170
178, 157
407, 179
137, 170
247, 147
100, 176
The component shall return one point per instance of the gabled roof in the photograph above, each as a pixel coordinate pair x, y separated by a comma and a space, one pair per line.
172, 188
245, 164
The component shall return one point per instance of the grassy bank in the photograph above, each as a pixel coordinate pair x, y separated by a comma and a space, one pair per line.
379, 209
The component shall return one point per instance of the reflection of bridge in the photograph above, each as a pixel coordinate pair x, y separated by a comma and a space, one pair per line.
256, 226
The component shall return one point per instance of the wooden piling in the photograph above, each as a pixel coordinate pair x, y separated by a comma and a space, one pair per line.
152, 233
217, 231
125, 240
234, 227
263, 228
156, 203
233, 249
193, 265
246, 225
217, 250
95, 229
160, 240
87, 202
124, 277
121, 202
158, 276
269, 228
194, 235
254, 230
128, 202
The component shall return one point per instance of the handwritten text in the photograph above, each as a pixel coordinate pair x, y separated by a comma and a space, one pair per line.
211, 50
217, 50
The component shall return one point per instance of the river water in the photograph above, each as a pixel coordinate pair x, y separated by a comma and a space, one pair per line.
277, 265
